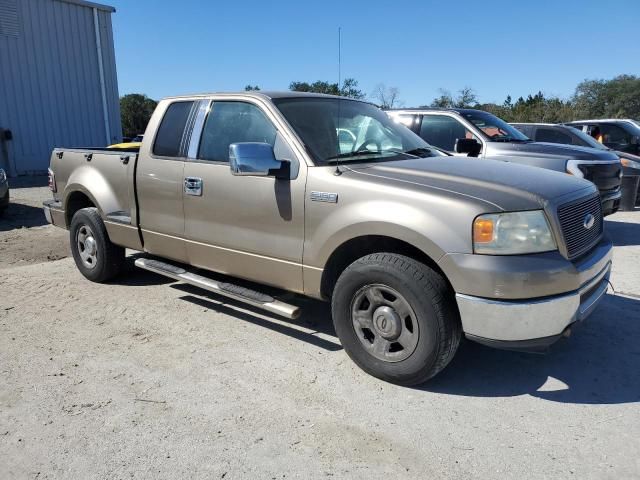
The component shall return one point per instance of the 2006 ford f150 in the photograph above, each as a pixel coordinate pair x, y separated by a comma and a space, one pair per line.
330, 198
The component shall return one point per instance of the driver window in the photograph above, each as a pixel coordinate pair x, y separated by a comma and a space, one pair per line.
233, 122
614, 134
442, 131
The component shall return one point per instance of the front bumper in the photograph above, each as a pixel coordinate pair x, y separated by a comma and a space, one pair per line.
530, 324
54, 213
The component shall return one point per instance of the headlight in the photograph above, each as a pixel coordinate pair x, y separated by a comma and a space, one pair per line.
629, 163
512, 233
3, 176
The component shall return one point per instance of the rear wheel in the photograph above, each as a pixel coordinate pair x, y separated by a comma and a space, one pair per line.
396, 318
96, 257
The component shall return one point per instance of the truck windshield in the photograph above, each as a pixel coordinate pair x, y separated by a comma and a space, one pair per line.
493, 128
350, 131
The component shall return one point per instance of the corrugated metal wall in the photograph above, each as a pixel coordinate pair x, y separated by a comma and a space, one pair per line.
50, 94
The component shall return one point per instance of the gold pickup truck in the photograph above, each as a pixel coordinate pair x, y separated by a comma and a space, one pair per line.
328, 197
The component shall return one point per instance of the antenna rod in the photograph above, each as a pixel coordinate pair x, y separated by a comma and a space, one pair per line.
338, 172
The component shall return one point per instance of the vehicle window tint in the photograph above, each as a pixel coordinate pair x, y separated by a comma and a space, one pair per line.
614, 134
526, 129
443, 131
551, 135
169, 136
233, 122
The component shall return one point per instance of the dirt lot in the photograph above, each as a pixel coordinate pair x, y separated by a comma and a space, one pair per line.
146, 378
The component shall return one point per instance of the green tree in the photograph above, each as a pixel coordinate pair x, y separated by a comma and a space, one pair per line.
135, 112
617, 98
466, 98
251, 88
349, 88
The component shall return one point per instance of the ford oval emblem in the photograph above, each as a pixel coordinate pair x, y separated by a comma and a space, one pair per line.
589, 220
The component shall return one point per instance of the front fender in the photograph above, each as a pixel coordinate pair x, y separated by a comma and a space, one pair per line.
327, 229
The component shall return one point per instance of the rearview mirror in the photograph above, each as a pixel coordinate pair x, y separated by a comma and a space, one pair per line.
257, 160
468, 145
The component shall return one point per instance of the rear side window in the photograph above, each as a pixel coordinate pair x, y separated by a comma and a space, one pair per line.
233, 122
551, 135
169, 137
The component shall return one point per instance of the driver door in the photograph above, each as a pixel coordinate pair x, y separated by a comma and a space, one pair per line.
245, 226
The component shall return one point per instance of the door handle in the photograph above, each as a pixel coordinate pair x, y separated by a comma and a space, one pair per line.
193, 186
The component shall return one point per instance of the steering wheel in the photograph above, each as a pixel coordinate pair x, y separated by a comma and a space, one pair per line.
367, 142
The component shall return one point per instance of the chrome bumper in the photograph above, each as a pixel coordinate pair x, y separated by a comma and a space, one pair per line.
539, 321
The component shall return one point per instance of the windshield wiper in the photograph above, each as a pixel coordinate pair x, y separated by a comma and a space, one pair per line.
352, 155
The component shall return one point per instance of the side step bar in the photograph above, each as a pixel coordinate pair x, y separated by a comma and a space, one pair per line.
242, 294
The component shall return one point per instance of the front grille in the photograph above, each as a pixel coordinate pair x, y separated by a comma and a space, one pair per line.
577, 238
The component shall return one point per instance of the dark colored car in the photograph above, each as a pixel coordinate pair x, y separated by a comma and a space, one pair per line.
475, 133
622, 135
573, 134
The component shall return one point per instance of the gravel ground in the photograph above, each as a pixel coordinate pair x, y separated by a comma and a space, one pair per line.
145, 378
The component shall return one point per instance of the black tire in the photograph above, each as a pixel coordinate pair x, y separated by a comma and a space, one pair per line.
108, 259
432, 306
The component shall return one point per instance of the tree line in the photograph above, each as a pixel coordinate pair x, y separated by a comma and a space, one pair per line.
618, 97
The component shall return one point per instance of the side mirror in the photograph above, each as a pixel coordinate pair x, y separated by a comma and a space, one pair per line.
257, 160
635, 140
468, 145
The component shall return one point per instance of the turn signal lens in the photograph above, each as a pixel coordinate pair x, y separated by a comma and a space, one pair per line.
482, 230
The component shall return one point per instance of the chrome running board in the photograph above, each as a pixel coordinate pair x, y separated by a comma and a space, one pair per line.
242, 294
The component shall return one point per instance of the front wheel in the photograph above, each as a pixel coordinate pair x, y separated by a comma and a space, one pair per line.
396, 318
96, 257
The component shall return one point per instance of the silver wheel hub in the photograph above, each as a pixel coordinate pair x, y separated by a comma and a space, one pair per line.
384, 322
87, 246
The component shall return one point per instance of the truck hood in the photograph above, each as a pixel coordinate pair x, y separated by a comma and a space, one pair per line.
504, 186
551, 150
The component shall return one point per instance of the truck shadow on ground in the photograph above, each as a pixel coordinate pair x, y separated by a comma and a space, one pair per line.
598, 364
314, 321
623, 233
19, 215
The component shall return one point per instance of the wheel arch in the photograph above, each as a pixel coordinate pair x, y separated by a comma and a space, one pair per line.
354, 248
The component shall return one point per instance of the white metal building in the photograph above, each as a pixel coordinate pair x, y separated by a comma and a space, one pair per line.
58, 83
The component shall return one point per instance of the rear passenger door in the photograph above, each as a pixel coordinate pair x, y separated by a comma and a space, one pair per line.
159, 181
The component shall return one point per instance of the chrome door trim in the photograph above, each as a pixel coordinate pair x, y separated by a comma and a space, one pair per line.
194, 143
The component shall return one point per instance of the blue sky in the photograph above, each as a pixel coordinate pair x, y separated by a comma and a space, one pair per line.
498, 48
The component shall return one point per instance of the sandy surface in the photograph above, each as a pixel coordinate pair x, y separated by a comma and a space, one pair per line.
144, 378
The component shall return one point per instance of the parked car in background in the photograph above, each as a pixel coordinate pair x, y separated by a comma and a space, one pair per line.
622, 135
570, 134
475, 133
412, 248
4, 191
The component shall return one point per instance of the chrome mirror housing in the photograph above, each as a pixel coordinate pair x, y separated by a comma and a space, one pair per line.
254, 159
